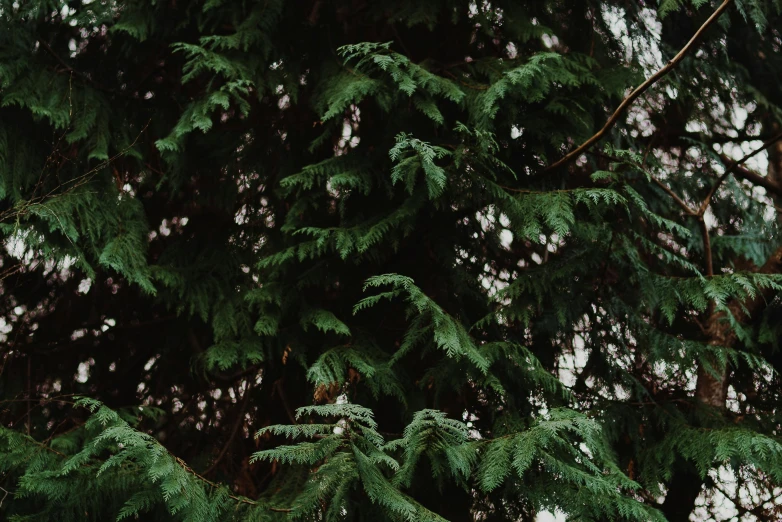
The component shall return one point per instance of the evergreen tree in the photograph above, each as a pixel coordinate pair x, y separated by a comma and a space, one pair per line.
390, 261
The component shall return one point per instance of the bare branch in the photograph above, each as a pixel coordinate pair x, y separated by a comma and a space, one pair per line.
671, 193
86, 78
239, 422
679, 201
732, 167
753, 177
642, 88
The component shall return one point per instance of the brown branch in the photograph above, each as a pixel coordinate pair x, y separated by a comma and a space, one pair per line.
642, 88
755, 178
733, 166
648, 150
243, 500
235, 375
757, 511
469, 86
56, 56
679, 201
707, 201
715, 138
711, 389
234, 430
673, 195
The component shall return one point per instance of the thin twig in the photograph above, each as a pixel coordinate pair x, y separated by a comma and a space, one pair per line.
733, 166
73, 71
243, 500
401, 42
673, 195
642, 88
469, 86
74, 183
679, 201
707, 201
753, 177
234, 430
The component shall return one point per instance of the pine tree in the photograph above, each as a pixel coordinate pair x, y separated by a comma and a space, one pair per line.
390, 261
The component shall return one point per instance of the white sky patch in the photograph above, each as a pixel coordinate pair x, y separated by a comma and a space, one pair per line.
83, 371
647, 50
548, 516
736, 151
151, 362
84, 285
570, 364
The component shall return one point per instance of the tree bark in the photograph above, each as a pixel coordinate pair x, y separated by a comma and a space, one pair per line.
712, 389
712, 384
683, 490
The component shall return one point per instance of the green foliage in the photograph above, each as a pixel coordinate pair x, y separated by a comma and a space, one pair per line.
334, 225
429, 320
137, 472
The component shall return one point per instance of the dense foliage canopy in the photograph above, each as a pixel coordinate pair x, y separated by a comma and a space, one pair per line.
332, 260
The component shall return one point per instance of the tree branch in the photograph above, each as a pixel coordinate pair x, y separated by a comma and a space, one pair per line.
243, 500
756, 511
708, 258
183, 464
715, 138
733, 166
679, 201
86, 78
671, 193
642, 88
754, 178
239, 421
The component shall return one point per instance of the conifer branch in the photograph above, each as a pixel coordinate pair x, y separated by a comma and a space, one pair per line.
288, 218
642, 88
72, 184
243, 500
707, 201
181, 463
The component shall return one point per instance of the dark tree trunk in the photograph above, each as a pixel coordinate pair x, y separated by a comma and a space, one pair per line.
683, 491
